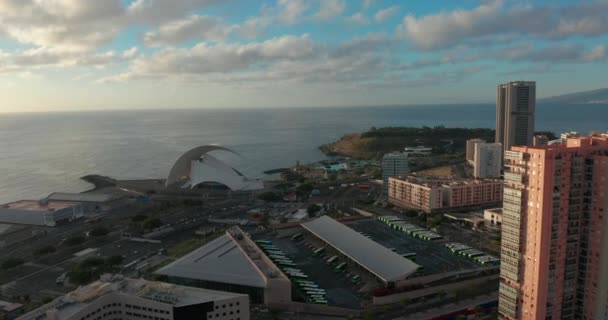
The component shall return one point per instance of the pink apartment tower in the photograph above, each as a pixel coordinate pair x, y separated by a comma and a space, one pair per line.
554, 248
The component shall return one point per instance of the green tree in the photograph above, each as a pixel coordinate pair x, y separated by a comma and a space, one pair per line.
304, 189
11, 263
152, 223
44, 250
114, 260
269, 196
411, 213
99, 231
313, 209
75, 240
139, 218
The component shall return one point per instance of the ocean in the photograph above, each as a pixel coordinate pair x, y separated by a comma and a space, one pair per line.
42, 153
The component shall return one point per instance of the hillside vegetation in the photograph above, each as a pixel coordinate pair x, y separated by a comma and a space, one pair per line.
378, 141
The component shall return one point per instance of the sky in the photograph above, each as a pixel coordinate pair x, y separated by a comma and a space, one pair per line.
143, 54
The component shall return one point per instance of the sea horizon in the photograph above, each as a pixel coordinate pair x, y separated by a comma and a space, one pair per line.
49, 152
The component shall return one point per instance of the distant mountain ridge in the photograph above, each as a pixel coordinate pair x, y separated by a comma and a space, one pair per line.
598, 96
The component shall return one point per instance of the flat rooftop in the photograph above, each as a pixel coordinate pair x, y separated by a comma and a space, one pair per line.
35, 205
169, 294
220, 260
83, 197
377, 259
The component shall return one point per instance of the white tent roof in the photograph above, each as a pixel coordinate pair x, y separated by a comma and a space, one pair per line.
220, 260
377, 259
197, 166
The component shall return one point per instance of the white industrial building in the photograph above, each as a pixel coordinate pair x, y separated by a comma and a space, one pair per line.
386, 265
487, 162
40, 212
116, 297
197, 166
231, 262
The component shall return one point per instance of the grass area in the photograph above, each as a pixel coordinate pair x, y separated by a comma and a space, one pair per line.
184, 247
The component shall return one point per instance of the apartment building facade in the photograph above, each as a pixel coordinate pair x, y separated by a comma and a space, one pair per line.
442, 195
554, 249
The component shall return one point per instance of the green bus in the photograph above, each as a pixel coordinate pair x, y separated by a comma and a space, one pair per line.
318, 251
340, 267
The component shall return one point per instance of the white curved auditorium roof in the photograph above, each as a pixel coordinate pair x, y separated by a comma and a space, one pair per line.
197, 166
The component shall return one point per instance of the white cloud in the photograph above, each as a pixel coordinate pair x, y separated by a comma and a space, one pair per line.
84, 25
220, 58
130, 53
358, 18
492, 19
367, 4
385, 14
330, 9
193, 27
596, 54
292, 10
160, 11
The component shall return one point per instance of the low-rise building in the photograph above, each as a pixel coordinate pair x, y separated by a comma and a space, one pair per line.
492, 218
40, 212
91, 202
117, 297
441, 195
234, 263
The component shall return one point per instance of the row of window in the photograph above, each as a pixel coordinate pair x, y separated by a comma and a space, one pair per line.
136, 307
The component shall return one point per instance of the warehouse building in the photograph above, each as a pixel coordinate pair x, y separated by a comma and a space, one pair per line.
386, 265
91, 202
234, 263
40, 213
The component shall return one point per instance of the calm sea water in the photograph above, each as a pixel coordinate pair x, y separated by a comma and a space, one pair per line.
45, 152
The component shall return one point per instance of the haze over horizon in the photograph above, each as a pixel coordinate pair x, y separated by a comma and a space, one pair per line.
145, 54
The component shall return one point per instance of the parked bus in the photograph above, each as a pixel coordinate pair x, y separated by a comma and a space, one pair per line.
410, 255
356, 279
304, 281
332, 259
340, 267
296, 236
318, 251
264, 242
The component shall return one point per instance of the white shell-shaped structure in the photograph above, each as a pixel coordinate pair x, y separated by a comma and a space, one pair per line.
197, 166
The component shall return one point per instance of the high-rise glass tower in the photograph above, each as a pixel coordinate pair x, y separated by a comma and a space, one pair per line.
515, 107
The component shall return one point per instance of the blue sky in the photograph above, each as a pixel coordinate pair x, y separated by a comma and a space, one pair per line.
118, 54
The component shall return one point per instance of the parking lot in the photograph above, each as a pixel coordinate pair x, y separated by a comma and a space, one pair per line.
433, 256
340, 291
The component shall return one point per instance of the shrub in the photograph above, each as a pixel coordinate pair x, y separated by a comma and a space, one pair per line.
99, 231
11, 263
75, 240
44, 250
